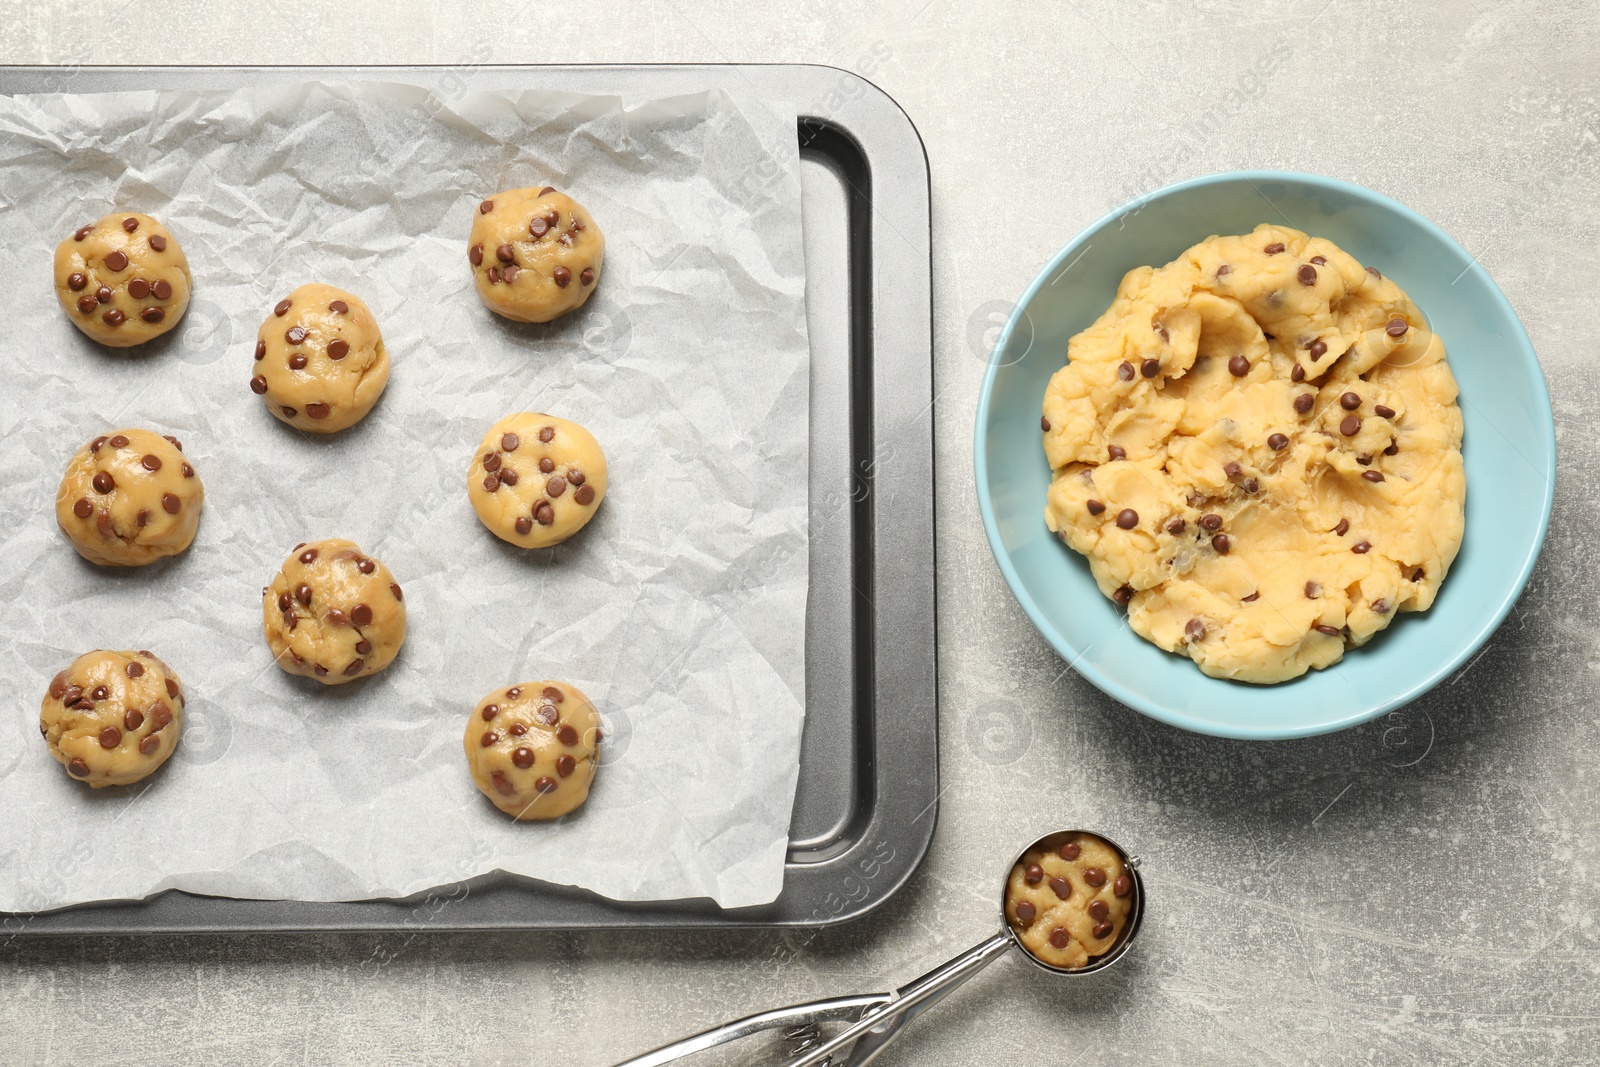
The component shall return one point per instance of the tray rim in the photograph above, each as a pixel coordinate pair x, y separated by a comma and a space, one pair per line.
883, 118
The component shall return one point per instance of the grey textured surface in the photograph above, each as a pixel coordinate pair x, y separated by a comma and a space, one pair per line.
1417, 891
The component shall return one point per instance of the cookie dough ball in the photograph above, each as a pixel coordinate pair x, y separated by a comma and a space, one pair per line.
536, 479
320, 363
333, 613
531, 748
535, 254
122, 280
129, 498
1069, 899
112, 717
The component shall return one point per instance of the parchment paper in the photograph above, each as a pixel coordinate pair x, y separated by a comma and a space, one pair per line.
680, 609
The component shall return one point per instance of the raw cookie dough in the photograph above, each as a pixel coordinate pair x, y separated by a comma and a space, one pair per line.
111, 718
1069, 902
1259, 450
122, 280
536, 479
333, 613
320, 361
129, 498
531, 748
535, 254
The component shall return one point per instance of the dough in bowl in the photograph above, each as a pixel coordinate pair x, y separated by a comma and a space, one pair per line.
1258, 449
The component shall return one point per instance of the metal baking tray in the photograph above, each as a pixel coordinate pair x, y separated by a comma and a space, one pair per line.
868, 791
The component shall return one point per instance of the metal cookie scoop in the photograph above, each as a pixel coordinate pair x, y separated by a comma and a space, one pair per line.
876, 1019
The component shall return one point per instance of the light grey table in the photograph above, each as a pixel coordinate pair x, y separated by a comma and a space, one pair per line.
1421, 890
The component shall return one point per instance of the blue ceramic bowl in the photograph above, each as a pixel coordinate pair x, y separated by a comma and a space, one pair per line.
1509, 449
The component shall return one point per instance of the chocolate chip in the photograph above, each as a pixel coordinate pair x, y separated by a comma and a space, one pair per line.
1095, 507
1069, 850
506, 254
1317, 349
1127, 518
1060, 938
508, 476
150, 463
361, 614
143, 518
363, 646
354, 668
148, 744
338, 307
493, 275
173, 441
297, 361
492, 461
1195, 629
1125, 371
1061, 887
1116, 452
1372, 476
152, 315
114, 317
486, 207
567, 735
547, 434
116, 261
1176, 526
1374, 272
86, 304
103, 523
490, 737
100, 692
318, 411
71, 694
522, 756
258, 385
1221, 543
1095, 876
130, 224
288, 411
158, 242
1349, 401
83, 509
103, 294
548, 715
1150, 368
546, 785
1383, 411
1102, 930
395, 589
561, 276
283, 601
1298, 374
584, 495
1026, 912
308, 556
138, 288
1033, 874
1307, 274
134, 669
338, 349
475, 255
555, 486
586, 276
1303, 402
1099, 909
366, 566
524, 526
1211, 521
502, 784
1232, 469
1324, 628
291, 621
295, 334
1123, 594
553, 218
282, 308
1277, 442
303, 593
1238, 366
538, 227
1417, 575
110, 737
1350, 426
491, 483
1396, 328
552, 694
1361, 548
82, 232
132, 719
547, 189
1252, 598
1224, 269
76, 282
1274, 248
162, 289
78, 769
104, 483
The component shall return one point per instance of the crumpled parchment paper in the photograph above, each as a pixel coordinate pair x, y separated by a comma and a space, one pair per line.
680, 609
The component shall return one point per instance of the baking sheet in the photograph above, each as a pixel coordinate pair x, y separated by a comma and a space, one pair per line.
680, 609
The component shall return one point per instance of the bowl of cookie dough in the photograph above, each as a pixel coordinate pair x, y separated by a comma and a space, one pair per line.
1290, 479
